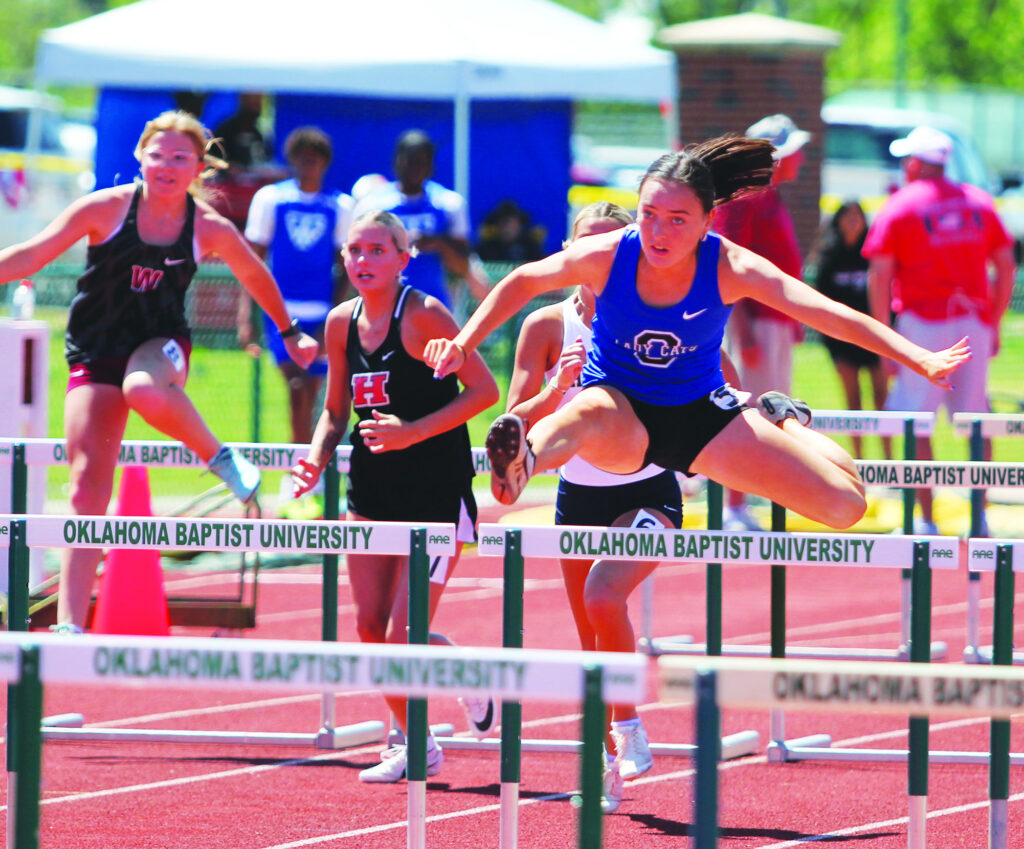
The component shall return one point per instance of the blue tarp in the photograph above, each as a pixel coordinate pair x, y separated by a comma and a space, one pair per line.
519, 149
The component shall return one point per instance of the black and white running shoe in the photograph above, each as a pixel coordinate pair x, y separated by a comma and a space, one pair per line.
778, 406
511, 458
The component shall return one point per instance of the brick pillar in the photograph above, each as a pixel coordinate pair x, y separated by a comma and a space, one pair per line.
737, 69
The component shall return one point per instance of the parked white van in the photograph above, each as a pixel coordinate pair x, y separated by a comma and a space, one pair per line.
33, 193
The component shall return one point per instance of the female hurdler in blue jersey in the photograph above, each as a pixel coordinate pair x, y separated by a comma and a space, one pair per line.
653, 386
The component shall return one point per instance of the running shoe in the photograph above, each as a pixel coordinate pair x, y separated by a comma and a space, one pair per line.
632, 752
778, 406
66, 629
481, 714
393, 762
611, 792
511, 458
241, 476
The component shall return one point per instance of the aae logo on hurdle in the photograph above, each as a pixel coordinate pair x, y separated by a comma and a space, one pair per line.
982, 554
719, 546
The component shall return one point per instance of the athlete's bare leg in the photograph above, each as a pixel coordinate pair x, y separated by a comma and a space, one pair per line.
791, 465
154, 386
94, 420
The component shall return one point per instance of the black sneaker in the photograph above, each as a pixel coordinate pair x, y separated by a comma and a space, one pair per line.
778, 406
511, 459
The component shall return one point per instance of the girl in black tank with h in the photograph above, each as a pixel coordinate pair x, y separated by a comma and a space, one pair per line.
411, 458
127, 341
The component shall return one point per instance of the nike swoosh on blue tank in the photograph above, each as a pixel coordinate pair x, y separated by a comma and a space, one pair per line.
688, 315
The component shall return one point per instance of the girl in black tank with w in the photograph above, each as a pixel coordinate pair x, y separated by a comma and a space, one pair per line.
127, 340
411, 458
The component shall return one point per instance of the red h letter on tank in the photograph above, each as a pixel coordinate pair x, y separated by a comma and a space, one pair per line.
144, 279
370, 389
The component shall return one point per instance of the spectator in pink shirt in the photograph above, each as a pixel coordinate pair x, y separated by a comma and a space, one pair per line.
942, 262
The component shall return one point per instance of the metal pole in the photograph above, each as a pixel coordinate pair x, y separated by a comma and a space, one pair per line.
909, 498
777, 716
329, 600
591, 777
713, 594
24, 753
416, 718
512, 711
999, 732
705, 832
920, 652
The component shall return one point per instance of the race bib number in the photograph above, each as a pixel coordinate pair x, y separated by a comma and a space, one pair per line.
726, 398
172, 350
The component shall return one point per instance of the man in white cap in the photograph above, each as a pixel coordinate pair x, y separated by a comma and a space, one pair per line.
760, 339
942, 262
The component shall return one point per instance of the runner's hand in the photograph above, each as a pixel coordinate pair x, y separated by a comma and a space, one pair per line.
304, 477
444, 356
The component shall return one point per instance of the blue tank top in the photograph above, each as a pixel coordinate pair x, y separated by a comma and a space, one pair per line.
662, 355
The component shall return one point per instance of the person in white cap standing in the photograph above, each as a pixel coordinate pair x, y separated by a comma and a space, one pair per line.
760, 339
931, 249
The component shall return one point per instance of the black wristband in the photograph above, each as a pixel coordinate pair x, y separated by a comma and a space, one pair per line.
293, 330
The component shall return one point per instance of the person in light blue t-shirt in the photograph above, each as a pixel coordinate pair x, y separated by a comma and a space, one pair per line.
299, 227
434, 217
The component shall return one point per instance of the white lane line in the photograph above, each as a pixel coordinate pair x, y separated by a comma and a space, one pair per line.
860, 829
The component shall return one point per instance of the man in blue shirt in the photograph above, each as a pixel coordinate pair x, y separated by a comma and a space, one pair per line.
434, 216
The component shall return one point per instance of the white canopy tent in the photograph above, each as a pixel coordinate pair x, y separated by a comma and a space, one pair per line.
431, 49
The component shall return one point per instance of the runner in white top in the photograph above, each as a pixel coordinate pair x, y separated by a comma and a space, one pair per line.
550, 355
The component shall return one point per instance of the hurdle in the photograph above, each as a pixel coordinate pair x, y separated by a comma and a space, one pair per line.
29, 661
979, 427
814, 685
839, 422
21, 533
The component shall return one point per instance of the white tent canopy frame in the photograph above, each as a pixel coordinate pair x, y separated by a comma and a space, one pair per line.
430, 49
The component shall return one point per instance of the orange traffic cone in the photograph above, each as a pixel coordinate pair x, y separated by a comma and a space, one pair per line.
131, 597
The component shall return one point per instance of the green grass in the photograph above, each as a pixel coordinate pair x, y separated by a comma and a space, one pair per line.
221, 386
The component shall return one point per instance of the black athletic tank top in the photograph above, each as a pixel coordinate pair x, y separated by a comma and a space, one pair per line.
130, 291
389, 380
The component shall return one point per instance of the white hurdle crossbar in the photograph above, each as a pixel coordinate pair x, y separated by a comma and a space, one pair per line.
916, 689
297, 537
406, 670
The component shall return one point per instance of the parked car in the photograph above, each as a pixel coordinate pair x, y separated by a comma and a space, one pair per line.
32, 193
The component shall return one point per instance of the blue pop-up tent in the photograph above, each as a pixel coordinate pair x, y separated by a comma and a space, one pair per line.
492, 81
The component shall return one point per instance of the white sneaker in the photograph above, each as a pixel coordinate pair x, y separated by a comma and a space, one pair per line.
611, 791
511, 458
66, 628
393, 762
926, 528
241, 476
481, 714
632, 752
739, 519
778, 406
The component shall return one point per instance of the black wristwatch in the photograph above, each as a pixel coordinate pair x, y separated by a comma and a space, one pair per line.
293, 330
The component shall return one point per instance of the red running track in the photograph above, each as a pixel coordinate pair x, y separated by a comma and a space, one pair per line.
169, 796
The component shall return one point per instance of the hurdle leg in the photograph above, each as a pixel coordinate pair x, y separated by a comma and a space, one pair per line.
920, 652
777, 716
512, 711
999, 733
705, 815
591, 764
416, 749
972, 651
24, 753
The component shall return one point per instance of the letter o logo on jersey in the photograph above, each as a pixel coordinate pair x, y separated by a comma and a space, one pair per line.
656, 348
